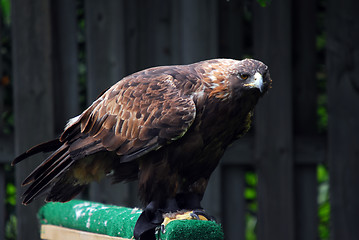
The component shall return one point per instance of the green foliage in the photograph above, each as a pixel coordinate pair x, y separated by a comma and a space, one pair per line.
250, 192
251, 179
250, 195
322, 112
322, 174
5, 11
10, 228
320, 42
7, 117
251, 223
323, 202
322, 119
264, 3
11, 194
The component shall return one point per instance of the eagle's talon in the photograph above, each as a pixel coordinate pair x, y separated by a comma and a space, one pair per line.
200, 215
163, 228
194, 215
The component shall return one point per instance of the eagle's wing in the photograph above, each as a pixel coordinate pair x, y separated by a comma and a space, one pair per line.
138, 114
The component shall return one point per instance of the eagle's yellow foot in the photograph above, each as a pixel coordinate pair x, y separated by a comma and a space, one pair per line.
185, 215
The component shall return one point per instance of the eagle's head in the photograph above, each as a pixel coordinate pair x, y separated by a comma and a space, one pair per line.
230, 79
250, 75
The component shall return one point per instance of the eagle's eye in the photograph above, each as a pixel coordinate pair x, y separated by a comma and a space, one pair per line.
243, 76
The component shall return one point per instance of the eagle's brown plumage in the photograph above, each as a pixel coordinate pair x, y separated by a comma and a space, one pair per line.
166, 126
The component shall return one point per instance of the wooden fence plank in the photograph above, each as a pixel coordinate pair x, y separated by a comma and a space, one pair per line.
33, 105
304, 119
2, 149
231, 29
195, 28
306, 209
343, 107
233, 202
273, 139
212, 199
153, 22
105, 51
304, 67
239, 153
65, 67
132, 36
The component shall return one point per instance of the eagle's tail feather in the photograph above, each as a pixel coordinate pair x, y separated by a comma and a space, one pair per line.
46, 165
43, 147
46, 179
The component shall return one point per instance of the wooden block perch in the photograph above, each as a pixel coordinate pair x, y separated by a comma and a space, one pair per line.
92, 221
52, 232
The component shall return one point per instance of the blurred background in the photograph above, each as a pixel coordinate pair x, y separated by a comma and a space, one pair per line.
293, 176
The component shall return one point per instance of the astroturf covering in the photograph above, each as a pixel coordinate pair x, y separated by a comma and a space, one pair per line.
120, 221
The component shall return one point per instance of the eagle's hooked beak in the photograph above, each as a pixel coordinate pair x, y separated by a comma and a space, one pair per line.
256, 81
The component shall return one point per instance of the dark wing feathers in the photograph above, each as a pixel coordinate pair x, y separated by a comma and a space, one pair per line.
43, 147
45, 166
44, 181
139, 114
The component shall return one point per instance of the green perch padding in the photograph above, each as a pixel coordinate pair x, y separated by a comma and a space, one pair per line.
120, 221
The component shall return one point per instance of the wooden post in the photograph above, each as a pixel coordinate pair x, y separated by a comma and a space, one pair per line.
305, 117
148, 34
195, 30
154, 33
132, 36
105, 49
231, 33
212, 199
274, 136
33, 105
2, 139
105, 52
233, 202
343, 107
65, 65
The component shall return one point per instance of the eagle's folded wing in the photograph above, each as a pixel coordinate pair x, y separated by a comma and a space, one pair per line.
136, 115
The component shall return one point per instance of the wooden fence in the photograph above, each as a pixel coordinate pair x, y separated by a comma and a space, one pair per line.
283, 148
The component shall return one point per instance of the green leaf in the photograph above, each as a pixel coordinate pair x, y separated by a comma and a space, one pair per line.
251, 179
251, 222
11, 194
250, 193
322, 174
323, 232
324, 212
253, 207
263, 3
5, 10
10, 228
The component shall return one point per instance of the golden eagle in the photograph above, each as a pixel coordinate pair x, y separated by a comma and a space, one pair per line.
166, 127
